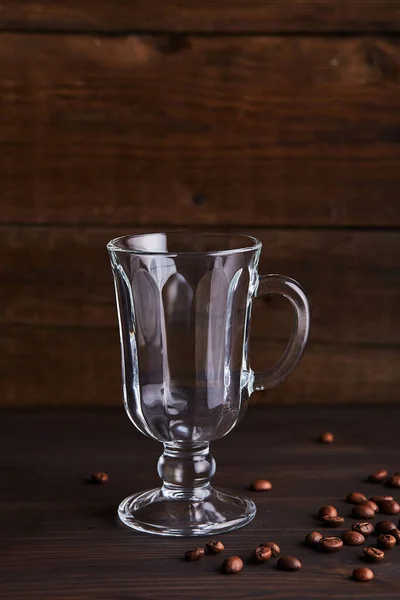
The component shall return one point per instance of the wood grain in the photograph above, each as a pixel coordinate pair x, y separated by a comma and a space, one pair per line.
206, 130
60, 537
205, 16
81, 367
61, 277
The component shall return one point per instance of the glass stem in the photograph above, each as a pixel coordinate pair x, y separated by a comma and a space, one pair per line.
186, 471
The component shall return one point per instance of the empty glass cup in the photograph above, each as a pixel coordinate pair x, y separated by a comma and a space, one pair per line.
184, 306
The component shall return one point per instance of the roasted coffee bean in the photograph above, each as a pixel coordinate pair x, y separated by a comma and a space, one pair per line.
363, 511
394, 481
333, 521
386, 541
195, 554
356, 498
331, 544
379, 499
261, 485
396, 534
374, 554
364, 528
326, 438
99, 477
389, 507
363, 574
327, 511
384, 526
261, 554
275, 550
215, 547
353, 538
378, 476
288, 563
312, 539
372, 504
232, 564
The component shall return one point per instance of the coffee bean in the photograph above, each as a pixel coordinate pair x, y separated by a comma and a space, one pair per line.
386, 541
363, 574
333, 521
331, 544
378, 476
215, 547
356, 498
261, 554
396, 534
261, 485
379, 499
99, 477
288, 563
364, 528
374, 554
363, 511
394, 481
312, 539
327, 511
275, 550
195, 554
232, 564
389, 507
372, 505
384, 527
326, 438
353, 538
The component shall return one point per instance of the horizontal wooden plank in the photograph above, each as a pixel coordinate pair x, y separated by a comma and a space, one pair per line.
212, 130
206, 15
61, 277
62, 367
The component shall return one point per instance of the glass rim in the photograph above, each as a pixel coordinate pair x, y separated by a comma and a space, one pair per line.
252, 245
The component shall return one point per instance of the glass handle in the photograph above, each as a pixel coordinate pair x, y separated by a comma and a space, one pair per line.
278, 284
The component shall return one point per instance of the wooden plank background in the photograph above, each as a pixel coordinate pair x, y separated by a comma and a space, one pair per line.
249, 130
277, 118
206, 16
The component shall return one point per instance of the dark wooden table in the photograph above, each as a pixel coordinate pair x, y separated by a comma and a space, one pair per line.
60, 537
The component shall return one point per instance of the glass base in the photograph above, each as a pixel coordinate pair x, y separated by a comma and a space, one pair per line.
153, 512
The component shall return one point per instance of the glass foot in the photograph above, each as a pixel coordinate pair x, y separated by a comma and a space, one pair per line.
153, 512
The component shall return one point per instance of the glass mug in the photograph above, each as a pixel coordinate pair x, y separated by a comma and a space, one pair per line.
184, 306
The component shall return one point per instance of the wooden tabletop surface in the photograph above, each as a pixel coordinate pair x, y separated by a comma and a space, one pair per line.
60, 537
